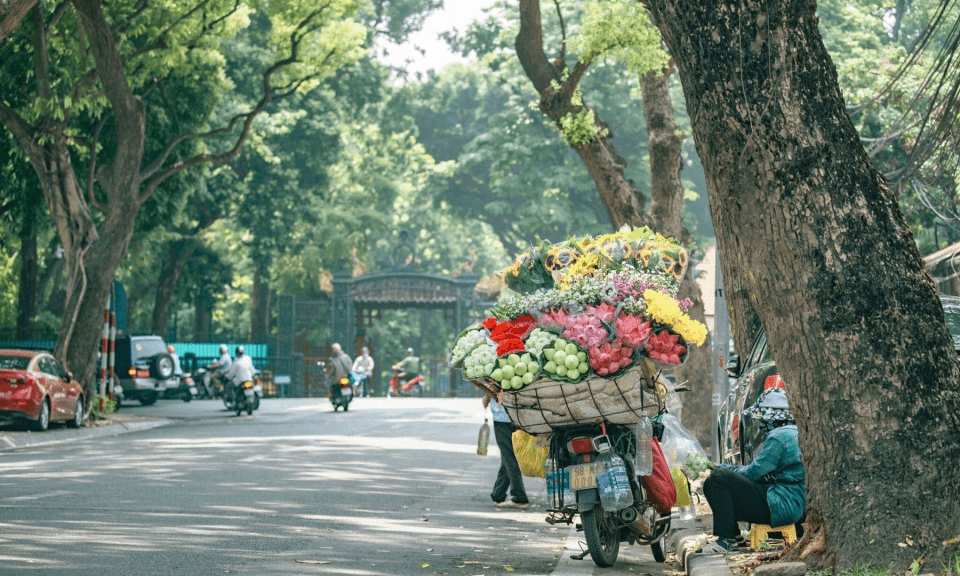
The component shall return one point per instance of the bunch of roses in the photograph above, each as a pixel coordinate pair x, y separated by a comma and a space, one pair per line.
509, 334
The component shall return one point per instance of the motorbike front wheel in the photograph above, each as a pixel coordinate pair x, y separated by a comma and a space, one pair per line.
603, 540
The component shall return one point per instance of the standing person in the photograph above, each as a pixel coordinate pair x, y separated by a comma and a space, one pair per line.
363, 367
509, 476
770, 490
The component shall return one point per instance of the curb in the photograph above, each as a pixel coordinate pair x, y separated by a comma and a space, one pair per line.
691, 536
50, 437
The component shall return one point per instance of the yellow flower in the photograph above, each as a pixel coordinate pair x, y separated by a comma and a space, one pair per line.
667, 311
662, 308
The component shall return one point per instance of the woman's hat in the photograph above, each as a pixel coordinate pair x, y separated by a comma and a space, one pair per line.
771, 406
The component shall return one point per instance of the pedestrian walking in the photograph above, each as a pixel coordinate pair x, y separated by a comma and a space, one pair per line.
509, 478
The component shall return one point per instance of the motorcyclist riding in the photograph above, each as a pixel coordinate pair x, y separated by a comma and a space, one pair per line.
241, 370
408, 368
363, 369
216, 369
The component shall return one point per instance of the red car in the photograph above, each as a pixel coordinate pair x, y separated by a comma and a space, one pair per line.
35, 388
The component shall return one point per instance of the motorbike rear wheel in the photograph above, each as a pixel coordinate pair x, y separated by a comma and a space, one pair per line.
659, 549
603, 540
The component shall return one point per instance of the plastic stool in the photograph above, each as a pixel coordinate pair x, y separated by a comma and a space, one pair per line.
759, 533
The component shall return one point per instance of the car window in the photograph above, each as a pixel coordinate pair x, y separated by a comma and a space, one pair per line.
148, 347
951, 312
43, 365
761, 352
56, 369
14, 362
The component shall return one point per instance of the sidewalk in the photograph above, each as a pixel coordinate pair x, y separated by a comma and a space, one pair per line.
11, 439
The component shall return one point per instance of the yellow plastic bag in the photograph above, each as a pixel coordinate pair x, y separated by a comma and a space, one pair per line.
530, 456
683, 492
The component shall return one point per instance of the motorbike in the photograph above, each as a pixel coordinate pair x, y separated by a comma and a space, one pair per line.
187, 389
360, 382
402, 384
341, 393
246, 396
574, 452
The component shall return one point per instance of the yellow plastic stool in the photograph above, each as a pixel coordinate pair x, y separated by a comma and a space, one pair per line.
759, 533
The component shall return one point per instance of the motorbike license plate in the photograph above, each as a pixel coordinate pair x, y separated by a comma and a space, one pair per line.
583, 476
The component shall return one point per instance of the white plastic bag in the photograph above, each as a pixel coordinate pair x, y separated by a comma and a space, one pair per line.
678, 443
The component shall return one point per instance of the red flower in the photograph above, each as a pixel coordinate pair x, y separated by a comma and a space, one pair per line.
665, 348
509, 345
489, 323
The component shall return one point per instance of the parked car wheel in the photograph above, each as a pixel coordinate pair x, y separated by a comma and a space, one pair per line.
77, 414
148, 398
43, 421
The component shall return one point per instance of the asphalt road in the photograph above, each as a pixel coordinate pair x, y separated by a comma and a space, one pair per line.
392, 487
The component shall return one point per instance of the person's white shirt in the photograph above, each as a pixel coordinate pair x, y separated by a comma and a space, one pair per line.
241, 369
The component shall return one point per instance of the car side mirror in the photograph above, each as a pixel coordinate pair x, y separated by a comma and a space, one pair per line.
733, 366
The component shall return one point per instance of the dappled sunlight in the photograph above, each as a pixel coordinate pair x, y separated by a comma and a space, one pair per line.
402, 491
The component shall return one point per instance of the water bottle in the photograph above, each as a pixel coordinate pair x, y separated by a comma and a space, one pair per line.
644, 460
612, 482
564, 487
484, 439
551, 477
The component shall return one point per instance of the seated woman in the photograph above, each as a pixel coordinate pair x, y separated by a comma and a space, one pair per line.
770, 490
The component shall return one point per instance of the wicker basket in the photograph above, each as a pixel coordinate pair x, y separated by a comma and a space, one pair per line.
543, 405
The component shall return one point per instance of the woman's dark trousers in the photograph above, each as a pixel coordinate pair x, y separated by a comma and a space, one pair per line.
733, 497
509, 475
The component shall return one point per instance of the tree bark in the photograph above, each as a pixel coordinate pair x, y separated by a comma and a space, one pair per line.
178, 252
29, 272
665, 143
260, 310
809, 234
624, 204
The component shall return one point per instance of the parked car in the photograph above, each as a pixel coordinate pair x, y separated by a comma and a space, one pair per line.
144, 369
35, 389
741, 439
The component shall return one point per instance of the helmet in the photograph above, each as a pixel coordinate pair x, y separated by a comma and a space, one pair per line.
409, 350
170, 348
240, 350
365, 350
223, 348
336, 348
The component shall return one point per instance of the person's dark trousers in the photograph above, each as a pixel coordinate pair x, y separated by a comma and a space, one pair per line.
733, 497
509, 475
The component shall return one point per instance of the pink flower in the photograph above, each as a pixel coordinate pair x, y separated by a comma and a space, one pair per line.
610, 357
554, 319
586, 330
633, 330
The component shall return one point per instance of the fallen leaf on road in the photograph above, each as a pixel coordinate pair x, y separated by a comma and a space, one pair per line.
312, 561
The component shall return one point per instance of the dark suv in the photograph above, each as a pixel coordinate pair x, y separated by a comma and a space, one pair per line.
741, 439
144, 368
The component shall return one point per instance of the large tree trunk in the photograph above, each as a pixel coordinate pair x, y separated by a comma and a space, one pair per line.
665, 142
810, 234
178, 252
619, 194
260, 310
29, 273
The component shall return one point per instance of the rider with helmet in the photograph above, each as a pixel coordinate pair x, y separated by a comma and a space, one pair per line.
241, 370
218, 368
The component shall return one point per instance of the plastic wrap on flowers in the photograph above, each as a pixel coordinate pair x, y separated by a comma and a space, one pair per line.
546, 404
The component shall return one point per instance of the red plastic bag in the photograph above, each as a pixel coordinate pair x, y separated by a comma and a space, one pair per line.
659, 485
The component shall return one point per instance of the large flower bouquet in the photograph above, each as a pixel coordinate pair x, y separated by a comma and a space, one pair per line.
584, 307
